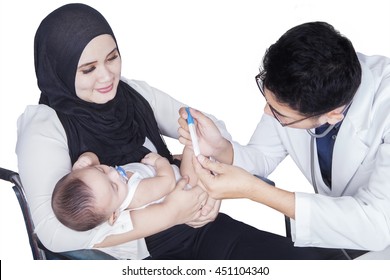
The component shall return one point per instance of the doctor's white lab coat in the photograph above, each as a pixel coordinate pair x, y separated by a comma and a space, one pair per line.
355, 213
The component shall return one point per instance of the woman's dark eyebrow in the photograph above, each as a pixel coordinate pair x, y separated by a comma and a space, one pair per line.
92, 62
115, 49
86, 64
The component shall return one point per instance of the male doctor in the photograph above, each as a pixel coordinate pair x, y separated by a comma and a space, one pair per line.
329, 109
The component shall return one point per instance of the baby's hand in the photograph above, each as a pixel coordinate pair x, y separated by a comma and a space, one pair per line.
83, 161
151, 159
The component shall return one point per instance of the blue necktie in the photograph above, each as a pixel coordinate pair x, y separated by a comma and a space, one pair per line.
325, 151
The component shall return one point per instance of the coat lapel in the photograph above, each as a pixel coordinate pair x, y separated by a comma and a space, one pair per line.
349, 152
350, 148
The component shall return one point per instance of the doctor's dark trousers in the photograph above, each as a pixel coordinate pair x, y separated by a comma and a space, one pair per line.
226, 238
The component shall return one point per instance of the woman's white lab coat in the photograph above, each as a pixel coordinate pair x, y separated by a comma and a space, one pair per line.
355, 213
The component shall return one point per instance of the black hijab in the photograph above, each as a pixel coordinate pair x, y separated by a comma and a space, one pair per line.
116, 130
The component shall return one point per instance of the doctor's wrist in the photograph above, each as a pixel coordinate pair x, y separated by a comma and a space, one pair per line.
223, 151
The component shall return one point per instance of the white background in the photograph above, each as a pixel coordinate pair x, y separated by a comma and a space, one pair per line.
204, 53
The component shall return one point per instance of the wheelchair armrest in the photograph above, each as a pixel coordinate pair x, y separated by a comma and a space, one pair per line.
8, 175
83, 254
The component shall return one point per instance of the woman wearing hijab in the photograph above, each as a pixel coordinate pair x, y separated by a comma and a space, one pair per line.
85, 105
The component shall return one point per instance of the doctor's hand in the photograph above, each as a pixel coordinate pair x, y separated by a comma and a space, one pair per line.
209, 213
210, 138
223, 181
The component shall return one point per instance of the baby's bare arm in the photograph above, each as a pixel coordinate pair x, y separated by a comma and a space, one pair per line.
180, 206
152, 189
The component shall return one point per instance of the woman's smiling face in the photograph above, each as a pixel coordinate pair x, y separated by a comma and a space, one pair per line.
98, 71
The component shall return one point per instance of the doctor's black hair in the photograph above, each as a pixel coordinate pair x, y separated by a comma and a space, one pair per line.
312, 68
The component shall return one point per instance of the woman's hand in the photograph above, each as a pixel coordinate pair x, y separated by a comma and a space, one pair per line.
209, 213
211, 141
185, 205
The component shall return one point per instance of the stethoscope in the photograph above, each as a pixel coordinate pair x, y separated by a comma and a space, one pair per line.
312, 159
313, 137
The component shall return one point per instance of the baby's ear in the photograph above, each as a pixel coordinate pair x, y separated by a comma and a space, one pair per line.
114, 216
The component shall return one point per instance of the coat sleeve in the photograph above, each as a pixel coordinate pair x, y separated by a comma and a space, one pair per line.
264, 151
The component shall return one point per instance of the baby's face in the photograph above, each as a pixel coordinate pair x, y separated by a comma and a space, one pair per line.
109, 188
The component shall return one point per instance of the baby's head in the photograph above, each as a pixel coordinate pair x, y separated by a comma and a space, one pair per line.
88, 197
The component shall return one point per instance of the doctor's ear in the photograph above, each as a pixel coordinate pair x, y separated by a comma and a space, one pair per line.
335, 116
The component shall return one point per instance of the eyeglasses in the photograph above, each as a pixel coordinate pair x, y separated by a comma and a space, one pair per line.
276, 114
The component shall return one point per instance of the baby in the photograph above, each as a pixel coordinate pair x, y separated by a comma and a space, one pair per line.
92, 193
